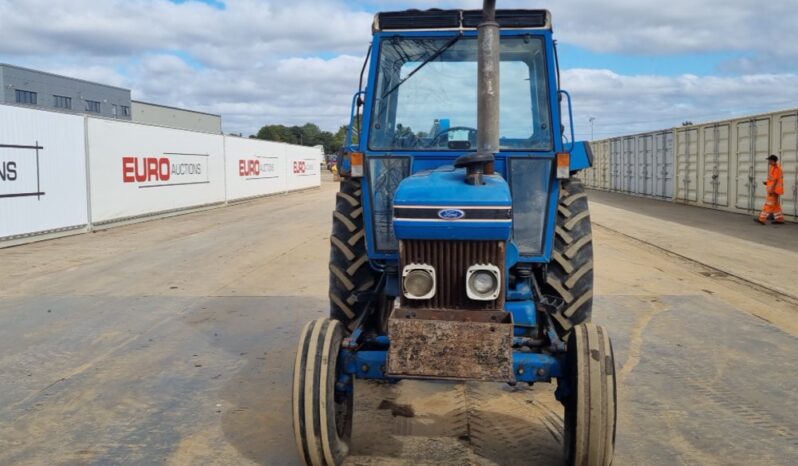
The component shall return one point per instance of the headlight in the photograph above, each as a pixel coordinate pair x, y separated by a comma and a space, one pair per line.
418, 281
483, 282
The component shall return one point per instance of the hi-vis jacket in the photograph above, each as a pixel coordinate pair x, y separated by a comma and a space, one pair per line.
775, 184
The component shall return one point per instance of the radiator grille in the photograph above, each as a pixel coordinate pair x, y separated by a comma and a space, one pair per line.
451, 260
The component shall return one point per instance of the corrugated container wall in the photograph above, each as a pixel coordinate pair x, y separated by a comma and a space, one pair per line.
788, 153
603, 165
687, 164
629, 169
663, 164
645, 163
715, 169
616, 165
720, 165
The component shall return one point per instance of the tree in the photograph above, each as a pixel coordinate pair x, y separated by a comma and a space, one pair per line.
278, 133
340, 136
308, 134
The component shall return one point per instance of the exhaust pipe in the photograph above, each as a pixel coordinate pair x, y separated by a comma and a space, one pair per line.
482, 162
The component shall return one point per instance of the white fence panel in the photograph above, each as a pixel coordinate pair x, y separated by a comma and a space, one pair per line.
254, 167
42, 172
138, 169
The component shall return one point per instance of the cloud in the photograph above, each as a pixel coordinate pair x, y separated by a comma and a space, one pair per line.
291, 90
656, 28
256, 62
629, 104
243, 31
261, 62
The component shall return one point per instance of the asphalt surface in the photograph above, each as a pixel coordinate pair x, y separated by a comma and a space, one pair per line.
713, 221
172, 342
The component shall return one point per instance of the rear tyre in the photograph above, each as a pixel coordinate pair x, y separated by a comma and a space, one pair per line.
570, 274
350, 272
322, 416
591, 405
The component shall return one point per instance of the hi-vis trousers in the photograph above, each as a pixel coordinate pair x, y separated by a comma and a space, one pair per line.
772, 206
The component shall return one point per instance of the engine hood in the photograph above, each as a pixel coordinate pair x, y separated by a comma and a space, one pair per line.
438, 204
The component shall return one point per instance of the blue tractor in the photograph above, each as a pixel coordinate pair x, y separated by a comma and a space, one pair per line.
461, 243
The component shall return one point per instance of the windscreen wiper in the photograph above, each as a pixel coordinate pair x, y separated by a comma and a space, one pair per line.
423, 64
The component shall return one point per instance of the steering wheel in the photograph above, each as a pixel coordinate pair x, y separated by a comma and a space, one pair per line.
472, 134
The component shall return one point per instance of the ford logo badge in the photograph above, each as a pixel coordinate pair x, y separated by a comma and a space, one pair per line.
451, 214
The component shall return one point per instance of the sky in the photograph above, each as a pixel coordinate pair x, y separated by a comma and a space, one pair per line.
630, 65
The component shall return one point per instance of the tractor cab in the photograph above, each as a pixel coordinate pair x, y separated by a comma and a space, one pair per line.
442, 160
461, 245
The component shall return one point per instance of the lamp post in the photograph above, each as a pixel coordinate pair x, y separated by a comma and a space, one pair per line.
591, 119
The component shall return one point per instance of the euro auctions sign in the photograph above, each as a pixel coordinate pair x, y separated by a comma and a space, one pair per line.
168, 169
20, 171
306, 167
258, 168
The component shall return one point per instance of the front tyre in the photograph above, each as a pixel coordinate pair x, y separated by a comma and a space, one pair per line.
350, 272
591, 402
570, 274
322, 415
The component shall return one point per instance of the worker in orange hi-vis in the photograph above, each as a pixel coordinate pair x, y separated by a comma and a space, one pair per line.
775, 188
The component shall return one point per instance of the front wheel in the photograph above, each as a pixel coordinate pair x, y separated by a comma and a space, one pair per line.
350, 272
322, 412
570, 274
591, 402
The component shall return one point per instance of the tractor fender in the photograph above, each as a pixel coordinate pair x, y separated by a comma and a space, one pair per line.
581, 156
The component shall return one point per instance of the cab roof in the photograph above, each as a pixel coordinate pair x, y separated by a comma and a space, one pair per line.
437, 19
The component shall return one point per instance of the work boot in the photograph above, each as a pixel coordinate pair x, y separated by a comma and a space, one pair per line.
778, 222
759, 221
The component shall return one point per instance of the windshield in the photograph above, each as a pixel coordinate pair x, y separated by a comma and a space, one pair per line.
433, 106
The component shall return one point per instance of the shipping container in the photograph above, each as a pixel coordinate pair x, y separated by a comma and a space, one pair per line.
604, 165
645, 164
715, 167
663, 164
629, 169
721, 165
788, 156
753, 147
596, 147
586, 176
687, 164
616, 164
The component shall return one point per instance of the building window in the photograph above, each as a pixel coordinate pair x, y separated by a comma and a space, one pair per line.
63, 102
26, 97
113, 109
125, 110
93, 106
